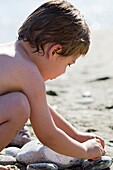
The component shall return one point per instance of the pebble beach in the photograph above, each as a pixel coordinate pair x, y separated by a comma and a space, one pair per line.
84, 94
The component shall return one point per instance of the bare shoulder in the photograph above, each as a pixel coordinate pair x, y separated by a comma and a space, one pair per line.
32, 79
17, 73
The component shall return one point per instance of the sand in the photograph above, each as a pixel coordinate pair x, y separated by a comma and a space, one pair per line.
84, 95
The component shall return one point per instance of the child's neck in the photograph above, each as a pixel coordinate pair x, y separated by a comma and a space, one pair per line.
26, 49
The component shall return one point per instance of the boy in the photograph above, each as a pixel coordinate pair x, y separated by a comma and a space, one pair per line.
50, 39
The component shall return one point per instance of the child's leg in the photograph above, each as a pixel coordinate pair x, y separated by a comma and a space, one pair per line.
14, 112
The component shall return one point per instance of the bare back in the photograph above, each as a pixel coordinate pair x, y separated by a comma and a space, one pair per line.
13, 68
20, 74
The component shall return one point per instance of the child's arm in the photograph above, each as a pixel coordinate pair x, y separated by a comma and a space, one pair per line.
44, 126
70, 130
62, 123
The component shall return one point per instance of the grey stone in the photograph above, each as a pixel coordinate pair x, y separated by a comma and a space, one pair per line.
100, 164
34, 152
22, 137
30, 152
12, 151
7, 160
45, 166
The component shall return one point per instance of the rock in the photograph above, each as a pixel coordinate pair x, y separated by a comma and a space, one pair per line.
111, 141
109, 107
34, 152
103, 78
12, 151
7, 160
91, 130
103, 163
30, 152
22, 137
51, 93
86, 94
20, 166
38, 166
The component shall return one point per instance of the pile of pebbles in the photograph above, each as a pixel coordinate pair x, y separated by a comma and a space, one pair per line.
35, 156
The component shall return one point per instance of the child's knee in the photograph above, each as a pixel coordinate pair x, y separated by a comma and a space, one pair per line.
23, 107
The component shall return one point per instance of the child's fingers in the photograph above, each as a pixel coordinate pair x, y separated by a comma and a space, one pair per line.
98, 140
101, 146
103, 152
101, 141
96, 158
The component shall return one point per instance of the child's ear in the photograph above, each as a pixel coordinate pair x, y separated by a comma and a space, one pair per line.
55, 50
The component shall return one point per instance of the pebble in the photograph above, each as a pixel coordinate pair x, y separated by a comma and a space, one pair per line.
12, 151
111, 141
103, 78
32, 152
38, 166
51, 93
36, 156
109, 106
100, 164
86, 94
91, 130
7, 160
86, 98
22, 137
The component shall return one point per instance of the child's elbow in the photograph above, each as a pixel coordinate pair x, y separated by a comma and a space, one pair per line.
49, 138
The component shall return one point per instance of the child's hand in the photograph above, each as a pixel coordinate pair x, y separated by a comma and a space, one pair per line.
101, 140
94, 149
82, 137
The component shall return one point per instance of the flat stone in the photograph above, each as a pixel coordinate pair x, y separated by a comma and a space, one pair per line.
38, 166
34, 152
12, 151
100, 164
7, 160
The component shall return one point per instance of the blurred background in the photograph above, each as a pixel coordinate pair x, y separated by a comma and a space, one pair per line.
98, 14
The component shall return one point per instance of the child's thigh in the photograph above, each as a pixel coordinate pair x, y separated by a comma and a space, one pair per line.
14, 105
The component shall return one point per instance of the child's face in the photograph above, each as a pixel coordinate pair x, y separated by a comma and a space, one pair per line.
54, 63
59, 65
